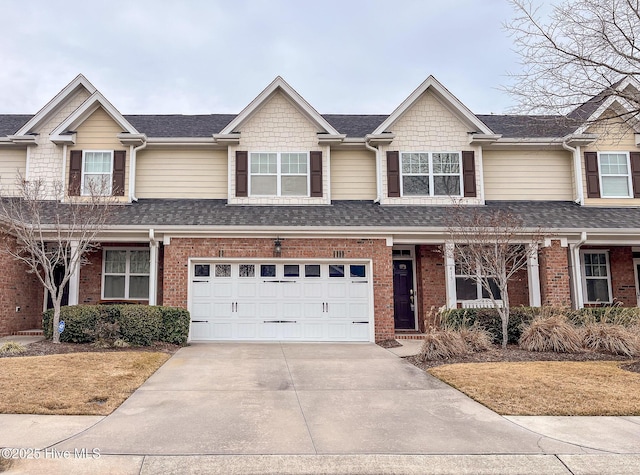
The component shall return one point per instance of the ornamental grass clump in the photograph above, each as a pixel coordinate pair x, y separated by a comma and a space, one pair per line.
440, 344
552, 333
477, 339
12, 348
611, 338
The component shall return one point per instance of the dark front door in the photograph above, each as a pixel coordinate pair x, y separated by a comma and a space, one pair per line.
403, 307
58, 276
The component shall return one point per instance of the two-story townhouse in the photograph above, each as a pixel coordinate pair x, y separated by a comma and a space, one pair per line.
280, 223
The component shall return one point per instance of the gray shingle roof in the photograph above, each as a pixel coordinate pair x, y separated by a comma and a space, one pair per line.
354, 125
349, 214
530, 126
177, 125
11, 123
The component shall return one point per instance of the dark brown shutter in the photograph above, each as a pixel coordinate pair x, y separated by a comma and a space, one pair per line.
316, 174
393, 174
469, 173
75, 172
591, 171
635, 173
242, 173
119, 162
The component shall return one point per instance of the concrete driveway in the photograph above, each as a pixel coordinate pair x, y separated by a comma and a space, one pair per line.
284, 398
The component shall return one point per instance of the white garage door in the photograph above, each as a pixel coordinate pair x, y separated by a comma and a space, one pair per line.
296, 301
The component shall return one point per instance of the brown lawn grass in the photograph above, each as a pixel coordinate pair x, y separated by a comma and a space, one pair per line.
78, 383
548, 388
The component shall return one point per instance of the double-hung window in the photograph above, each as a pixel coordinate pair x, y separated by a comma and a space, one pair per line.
279, 174
615, 175
431, 174
468, 286
126, 274
97, 170
597, 277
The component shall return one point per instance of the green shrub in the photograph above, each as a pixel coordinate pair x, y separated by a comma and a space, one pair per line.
77, 319
134, 324
489, 320
175, 325
140, 324
617, 315
551, 333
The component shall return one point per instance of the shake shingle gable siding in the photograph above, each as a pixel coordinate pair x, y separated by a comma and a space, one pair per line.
351, 214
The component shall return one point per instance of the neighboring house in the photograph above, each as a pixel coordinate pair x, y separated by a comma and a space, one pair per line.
280, 223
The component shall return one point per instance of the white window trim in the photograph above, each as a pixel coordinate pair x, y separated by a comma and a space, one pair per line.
84, 152
431, 175
279, 176
127, 273
628, 175
585, 278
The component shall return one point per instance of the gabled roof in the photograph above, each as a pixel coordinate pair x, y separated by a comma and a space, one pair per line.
279, 84
50, 108
611, 97
87, 108
448, 99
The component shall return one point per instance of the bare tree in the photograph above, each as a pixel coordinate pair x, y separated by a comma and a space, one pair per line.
584, 53
491, 246
52, 235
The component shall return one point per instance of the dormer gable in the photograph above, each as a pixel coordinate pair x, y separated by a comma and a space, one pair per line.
280, 86
79, 85
64, 132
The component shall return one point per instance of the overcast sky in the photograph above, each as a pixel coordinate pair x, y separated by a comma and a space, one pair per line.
215, 56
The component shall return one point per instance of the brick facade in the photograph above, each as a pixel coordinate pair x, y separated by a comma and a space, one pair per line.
18, 289
431, 283
555, 287
623, 280
177, 254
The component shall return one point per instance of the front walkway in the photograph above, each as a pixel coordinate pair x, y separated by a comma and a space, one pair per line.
304, 408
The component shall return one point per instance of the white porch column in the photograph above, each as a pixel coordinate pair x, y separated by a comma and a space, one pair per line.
576, 276
533, 273
74, 278
450, 270
153, 269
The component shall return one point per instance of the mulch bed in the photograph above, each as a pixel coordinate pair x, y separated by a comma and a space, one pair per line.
514, 353
45, 347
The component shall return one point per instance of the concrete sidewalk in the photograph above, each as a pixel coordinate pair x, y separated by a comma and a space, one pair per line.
313, 408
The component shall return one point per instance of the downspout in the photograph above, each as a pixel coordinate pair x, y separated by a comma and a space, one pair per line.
153, 268
132, 171
378, 167
576, 271
577, 167
64, 171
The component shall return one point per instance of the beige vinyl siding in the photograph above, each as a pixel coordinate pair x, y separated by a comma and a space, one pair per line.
527, 175
621, 140
12, 162
100, 132
179, 173
353, 175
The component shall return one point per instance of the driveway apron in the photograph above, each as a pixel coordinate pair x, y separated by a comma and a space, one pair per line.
311, 398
